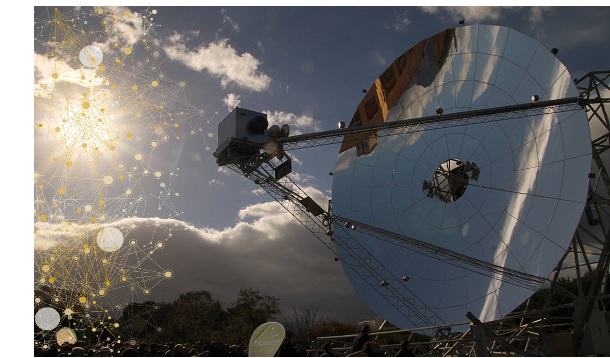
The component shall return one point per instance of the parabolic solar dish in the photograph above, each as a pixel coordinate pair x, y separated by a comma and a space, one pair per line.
506, 192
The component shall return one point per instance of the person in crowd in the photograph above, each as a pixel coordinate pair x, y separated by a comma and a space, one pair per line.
286, 349
104, 352
406, 350
129, 352
361, 338
328, 350
142, 350
372, 349
77, 352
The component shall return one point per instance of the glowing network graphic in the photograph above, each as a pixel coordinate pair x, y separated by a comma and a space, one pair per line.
106, 118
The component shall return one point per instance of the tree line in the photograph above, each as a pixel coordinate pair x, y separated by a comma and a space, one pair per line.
197, 317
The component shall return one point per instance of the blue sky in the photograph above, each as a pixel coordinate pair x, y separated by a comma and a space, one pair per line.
303, 66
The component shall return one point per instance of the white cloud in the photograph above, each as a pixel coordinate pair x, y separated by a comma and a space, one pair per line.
215, 182
124, 27
225, 170
46, 68
468, 13
298, 123
266, 250
260, 46
401, 21
259, 192
231, 101
377, 57
227, 20
220, 59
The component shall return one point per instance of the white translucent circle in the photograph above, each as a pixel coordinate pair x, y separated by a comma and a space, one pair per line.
108, 179
109, 239
66, 334
47, 318
91, 56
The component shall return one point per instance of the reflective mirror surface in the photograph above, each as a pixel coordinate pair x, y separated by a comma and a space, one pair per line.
507, 192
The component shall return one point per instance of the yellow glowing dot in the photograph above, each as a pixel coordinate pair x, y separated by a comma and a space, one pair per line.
42, 280
138, 156
101, 202
84, 145
37, 300
78, 210
55, 75
46, 268
93, 329
102, 68
52, 280
167, 274
39, 125
104, 261
101, 292
68, 311
87, 250
82, 77
100, 11
176, 125
116, 325
154, 83
43, 217
86, 105
128, 51
57, 129
82, 299
93, 220
112, 147
40, 186
68, 163
113, 86
129, 135
121, 177
61, 191
134, 88
117, 60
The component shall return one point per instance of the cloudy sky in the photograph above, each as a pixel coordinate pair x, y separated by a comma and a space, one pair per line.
128, 142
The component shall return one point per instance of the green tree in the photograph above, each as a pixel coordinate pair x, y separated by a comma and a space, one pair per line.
193, 316
250, 310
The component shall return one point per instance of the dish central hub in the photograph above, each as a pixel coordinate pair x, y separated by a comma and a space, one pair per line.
450, 180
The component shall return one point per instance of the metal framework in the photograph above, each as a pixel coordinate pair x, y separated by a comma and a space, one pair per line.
525, 333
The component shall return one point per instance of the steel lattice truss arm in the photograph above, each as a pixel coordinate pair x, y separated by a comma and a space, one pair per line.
358, 133
456, 259
358, 258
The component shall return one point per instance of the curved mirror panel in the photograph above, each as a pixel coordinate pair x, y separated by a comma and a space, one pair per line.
507, 192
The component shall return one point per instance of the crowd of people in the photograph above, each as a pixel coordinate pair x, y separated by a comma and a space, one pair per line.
362, 346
